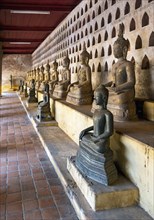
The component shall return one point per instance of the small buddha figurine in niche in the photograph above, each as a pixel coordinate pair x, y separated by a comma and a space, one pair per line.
61, 87
43, 111
42, 82
37, 85
32, 98
53, 76
47, 73
80, 92
95, 158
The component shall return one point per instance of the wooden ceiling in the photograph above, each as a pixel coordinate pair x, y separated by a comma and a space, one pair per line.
33, 28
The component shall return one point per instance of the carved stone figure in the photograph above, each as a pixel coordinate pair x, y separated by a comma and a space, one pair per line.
53, 77
61, 87
94, 158
37, 85
32, 98
122, 87
42, 82
11, 81
80, 92
25, 90
43, 111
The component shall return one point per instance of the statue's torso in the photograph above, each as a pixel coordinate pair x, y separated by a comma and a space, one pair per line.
99, 121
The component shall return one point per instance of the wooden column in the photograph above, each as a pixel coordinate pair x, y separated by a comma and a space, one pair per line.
1, 55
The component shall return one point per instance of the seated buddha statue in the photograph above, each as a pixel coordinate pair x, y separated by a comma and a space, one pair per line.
47, 73
60, 89
53, 76
80, 92
37, 84
42, 82
43, 111
94, 157
32, 98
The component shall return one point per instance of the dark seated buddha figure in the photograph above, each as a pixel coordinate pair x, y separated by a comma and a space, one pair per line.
80, 92
43, 111
94, 158
61, 87
32, 98
122, 87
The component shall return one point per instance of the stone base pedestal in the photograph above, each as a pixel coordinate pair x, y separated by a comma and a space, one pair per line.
122, 194
59, 94
86, 99
44, 114
37, 123
31, 105
123, 112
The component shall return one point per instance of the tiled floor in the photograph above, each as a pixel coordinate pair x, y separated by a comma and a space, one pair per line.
29, 186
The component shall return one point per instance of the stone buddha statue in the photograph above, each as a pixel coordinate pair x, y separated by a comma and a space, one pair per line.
94, 157
37, 84
122, 87
61, 87
43, 111
53, 76
32, 98
42, 82
80, 92
47, 73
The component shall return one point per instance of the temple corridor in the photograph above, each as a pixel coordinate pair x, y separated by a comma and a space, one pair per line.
29, 186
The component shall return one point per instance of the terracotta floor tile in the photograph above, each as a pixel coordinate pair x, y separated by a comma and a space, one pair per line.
13, 197
14, 208
43, 192
28, 195
2, 198
14, 216
33, 215
46, 202
50, 213
30, 205
41, 184
2, 210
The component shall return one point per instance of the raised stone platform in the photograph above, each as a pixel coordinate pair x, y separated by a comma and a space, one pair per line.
37, 123
148, 110
100, 197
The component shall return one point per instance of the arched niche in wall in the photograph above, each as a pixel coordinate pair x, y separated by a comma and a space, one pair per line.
78, 36
113, 2
151, 39
105, 36
132, 26
88, 43
145, 63
81, 11
102, 52
99, 68
96, 1
90, 4
138, 43
117, 14
69, 50
76, 48
127, 9
78, 58
80, 47
96, 26
76, 69
74, 59
86, 8
78, 15
106, 66
113, 62
84, 21
73, 29
81, 34
88, 18
145, 19
93, 41
113, 32
150, 0
99, 10
72, 49
91, 55
93, 68
109, 50
96, 53
99, 38
138, 4
93, 15
71, 60
106, 5
74, 38
74, 18
109, 18
86, 32
91, 29
102, 22
79, 24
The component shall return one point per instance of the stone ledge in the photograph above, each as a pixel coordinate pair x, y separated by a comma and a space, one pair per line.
100, 197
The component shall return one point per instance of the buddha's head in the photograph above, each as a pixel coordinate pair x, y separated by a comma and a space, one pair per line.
120, 46
84, 56
55, 65
101, 94
66, 61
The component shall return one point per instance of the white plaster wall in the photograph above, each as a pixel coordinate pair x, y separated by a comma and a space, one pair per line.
65, 38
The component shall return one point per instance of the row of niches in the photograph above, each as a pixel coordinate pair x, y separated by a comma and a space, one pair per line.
62, 44
92, 42
99, 10
95, 27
